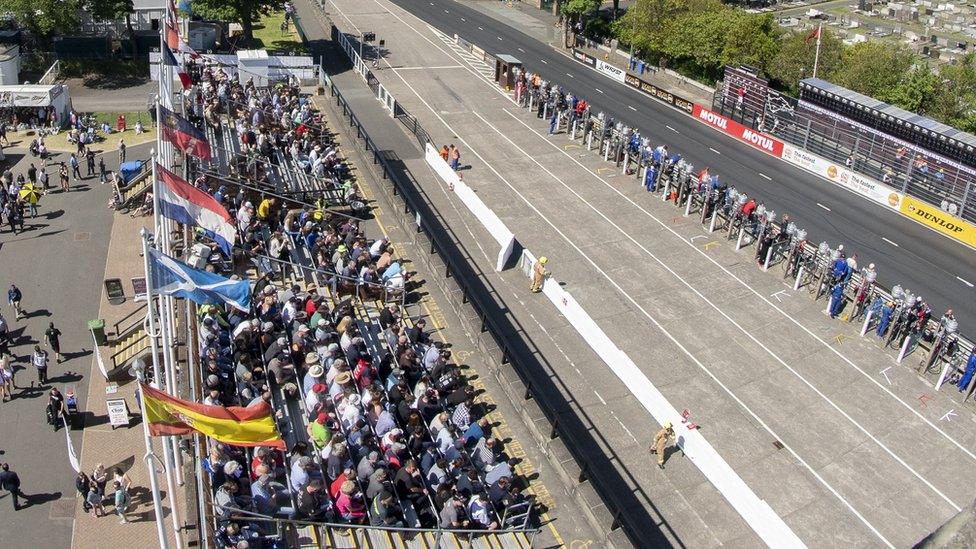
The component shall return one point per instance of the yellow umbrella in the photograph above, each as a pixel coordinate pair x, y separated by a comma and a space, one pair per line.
31, 193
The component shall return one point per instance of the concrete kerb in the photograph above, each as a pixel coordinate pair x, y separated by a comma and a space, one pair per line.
477, 325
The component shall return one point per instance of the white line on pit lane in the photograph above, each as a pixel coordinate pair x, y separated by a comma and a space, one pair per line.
445, 11
569, 75
521, 50
463, 19
481, 28
714, 151
631, 108
666, 126
764, 176
598, 89
895, 244
964, 281
544, 62
499, 38
822, 206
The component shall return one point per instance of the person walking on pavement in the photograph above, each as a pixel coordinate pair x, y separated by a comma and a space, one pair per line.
121, 153
660, 444
53, 339
14, 296
39, 360
121, 501
63, 173
7, 372
90, 161
455, 158
539, 274
32, 173
102, 172
43, 178
75, 167
10, 482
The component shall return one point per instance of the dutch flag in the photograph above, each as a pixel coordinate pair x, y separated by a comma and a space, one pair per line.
186, 204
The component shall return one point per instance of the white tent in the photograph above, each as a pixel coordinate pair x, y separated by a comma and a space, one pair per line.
37, 96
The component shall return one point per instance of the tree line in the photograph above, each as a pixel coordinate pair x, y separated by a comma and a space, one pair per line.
698, 38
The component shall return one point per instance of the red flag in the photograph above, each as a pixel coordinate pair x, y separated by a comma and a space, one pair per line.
170, 59
815, 35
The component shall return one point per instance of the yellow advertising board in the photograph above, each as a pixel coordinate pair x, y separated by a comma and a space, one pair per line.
939, 220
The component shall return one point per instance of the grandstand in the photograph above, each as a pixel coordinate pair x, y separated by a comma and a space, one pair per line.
387, 443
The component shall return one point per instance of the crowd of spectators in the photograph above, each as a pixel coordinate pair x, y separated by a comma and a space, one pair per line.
381, 426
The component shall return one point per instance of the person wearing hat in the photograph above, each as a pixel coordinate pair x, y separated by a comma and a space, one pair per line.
316, 399
342, 380
661, 443
315, 373
318, 431
539, 274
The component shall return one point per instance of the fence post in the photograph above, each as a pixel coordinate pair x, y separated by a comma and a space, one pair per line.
769, 255
867, 321
742, 234
904, 348
799, 277
711, 226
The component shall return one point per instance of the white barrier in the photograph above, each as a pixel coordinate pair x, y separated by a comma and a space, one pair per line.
769, 526
482, 212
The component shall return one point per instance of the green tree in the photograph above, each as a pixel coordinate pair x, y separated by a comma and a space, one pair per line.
245, 12
750, 39
954, 101
916, 90
111, 10
794, 60
44, 18
873, 68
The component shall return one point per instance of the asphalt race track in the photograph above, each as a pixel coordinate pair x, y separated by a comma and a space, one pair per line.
904, 252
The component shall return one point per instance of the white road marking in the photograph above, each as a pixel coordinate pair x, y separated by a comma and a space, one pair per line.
600, 397
895, 244
822, 206
720, 311
631, 108
764, 176
668, 127
445, 11
598, 90
499, 38
569, 75
463, 19
714, 151
628, 297
481, 28
521, 50
544, 62
964, 281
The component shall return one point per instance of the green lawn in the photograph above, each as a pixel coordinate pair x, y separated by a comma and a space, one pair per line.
268, 35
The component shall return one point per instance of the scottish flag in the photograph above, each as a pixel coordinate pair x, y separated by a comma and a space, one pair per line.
175, 278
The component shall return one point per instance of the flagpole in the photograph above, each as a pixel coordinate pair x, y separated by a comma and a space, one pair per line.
816, 58
153, 482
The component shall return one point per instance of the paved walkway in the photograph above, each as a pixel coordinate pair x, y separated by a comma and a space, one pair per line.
122, 446
57, 262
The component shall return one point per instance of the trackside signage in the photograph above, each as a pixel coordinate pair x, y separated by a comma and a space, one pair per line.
731, 127
583, 57
864, 186
945, 223
609, 70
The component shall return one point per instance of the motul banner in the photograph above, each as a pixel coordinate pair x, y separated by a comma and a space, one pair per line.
731, 127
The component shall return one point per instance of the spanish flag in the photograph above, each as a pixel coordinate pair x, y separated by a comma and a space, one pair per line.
169, 416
